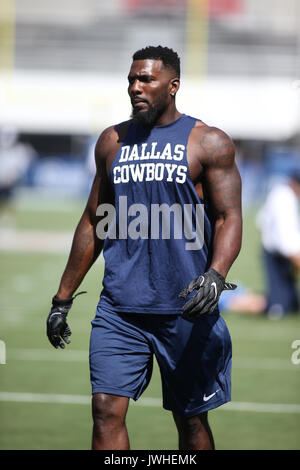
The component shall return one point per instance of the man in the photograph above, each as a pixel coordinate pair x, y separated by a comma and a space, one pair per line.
166, 167
279, 222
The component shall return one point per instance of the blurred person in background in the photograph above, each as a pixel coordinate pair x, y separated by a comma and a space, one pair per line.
15, 159
242, 300
159, 297
279, 223
90, 164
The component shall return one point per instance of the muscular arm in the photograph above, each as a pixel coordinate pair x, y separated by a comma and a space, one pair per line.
86, 246
223, 189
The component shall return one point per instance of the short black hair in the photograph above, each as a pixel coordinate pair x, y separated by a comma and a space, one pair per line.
168, 57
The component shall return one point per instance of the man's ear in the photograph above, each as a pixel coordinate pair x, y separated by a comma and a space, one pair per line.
174, 86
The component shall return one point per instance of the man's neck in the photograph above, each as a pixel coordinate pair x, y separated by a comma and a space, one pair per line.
168, 117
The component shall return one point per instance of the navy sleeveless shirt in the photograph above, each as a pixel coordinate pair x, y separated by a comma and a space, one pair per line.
161, 236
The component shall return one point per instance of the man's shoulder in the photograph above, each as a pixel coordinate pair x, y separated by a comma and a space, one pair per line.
211, 134
111, 137
213, 143
114, 131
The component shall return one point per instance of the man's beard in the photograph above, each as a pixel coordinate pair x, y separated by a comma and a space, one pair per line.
150, 117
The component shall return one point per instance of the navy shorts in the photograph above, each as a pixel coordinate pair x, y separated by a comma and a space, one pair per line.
194, 358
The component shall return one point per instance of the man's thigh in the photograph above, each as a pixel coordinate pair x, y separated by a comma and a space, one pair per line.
120, 356
195, 364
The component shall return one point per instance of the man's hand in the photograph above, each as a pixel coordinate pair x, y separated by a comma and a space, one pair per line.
57, 328
210, 286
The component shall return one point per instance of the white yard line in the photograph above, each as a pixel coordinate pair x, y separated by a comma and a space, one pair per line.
47, 355
262, 407
155, 402
69, 355
35, 241
44, 398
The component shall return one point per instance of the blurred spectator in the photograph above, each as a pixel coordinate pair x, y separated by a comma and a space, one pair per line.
90, 158
242, 300
279, 223
15, 158
90, 164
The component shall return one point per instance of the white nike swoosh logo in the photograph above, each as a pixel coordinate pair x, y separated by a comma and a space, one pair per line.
205, 398
215, 287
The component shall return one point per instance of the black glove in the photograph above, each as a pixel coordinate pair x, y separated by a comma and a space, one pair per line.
210, 286
57, 327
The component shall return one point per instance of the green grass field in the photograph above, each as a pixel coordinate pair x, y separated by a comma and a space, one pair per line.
45, 393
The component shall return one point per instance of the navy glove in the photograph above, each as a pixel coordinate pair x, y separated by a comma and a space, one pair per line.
209, 286
57, 328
